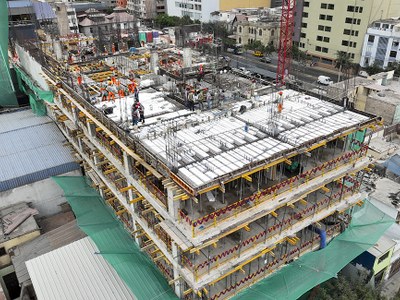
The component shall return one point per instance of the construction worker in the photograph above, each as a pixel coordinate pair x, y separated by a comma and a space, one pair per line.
190, 102
111, 96
135, 114
140, 108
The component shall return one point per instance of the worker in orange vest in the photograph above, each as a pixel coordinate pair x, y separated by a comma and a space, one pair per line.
111, 96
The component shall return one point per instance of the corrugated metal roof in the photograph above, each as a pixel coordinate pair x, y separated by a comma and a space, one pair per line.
43, 11
31, 150
76, 272
19, 3
57, 238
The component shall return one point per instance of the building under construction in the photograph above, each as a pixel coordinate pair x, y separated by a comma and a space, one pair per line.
223, 196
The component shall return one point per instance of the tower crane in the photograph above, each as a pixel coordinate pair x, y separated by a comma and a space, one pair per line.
285, 41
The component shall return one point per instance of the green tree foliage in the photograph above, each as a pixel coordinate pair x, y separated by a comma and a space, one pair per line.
297, 54
343, 61
217, 28
164, 20
374, 69
342, 289
394, 66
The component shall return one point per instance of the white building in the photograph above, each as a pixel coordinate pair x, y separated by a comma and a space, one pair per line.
381, 43
201, 9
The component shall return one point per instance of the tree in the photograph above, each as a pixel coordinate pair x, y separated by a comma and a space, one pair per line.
341, 288
343, 62
374, 69
255, 46
163, 20
394, 66
297, 54
269, 49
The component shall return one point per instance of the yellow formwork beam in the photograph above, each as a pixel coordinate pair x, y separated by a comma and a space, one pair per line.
120, 212
325, 189
112, 170
125, 189
288, 162
185, 197
140, 198
274, 214
247, 228
303, 202
291, 205
187, 292
247, 177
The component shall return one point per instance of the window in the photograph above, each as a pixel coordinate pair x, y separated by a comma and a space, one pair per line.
383, 257
326, 39
302, 45
357, 9
260, 32
371, 38
352, 55
393, 54
305, 14
319, 38
322, 17
306, 4
325, 50
303, 35
329, 18
240, 29
350, 32
331, 6
318, 48
3, 251
304, 25
395, 44
353, 21
320, 27
240, 40
324, 5
345, 43
328, 28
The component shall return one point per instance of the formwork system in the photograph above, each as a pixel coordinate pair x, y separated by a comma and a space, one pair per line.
220, 199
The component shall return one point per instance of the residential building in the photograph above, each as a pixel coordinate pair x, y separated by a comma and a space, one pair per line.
113, 29
202, 9
265, 32
381, 43
146, 9
329, 26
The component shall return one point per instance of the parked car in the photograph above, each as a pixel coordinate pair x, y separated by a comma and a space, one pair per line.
244, 71
363, 74
325, 80
266, 60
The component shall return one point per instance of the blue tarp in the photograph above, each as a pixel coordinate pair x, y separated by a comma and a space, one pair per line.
393, 164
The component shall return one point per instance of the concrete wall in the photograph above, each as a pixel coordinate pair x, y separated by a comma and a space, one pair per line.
46, 196
381, 108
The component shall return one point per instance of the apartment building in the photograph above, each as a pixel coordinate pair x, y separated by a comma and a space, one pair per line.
328, 26
381, 43
201, 9
146, 9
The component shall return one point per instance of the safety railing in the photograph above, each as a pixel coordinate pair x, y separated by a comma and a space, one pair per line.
234, 252
272, 266
108, 144
214, 218
149, 186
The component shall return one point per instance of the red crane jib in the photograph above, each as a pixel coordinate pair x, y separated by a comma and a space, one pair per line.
285, 40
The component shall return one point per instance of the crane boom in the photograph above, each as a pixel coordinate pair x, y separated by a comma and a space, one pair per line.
285, 40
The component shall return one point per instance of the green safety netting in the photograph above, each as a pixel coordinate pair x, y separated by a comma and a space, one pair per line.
36, 94
113, 242
295, 279
7, 92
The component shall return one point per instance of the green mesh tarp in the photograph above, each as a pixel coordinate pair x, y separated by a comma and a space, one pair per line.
36, 94
114, 243
7, 93
293, 280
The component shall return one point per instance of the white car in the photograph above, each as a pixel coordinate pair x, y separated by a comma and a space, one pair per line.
325, 80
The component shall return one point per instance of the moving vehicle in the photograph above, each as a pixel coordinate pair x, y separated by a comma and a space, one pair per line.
258, 53
266, 60
324, 80
235, 49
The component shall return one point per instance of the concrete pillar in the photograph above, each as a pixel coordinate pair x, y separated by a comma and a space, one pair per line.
187, 57
173, 206
154, 62
177, 283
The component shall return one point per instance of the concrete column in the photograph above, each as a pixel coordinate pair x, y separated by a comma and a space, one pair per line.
173, 206
177, 283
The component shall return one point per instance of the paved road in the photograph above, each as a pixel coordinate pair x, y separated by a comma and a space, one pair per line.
253, 64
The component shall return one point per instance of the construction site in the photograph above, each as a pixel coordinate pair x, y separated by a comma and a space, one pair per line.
220, 192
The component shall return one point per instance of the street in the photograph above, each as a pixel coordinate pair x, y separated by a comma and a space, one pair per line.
300, 72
